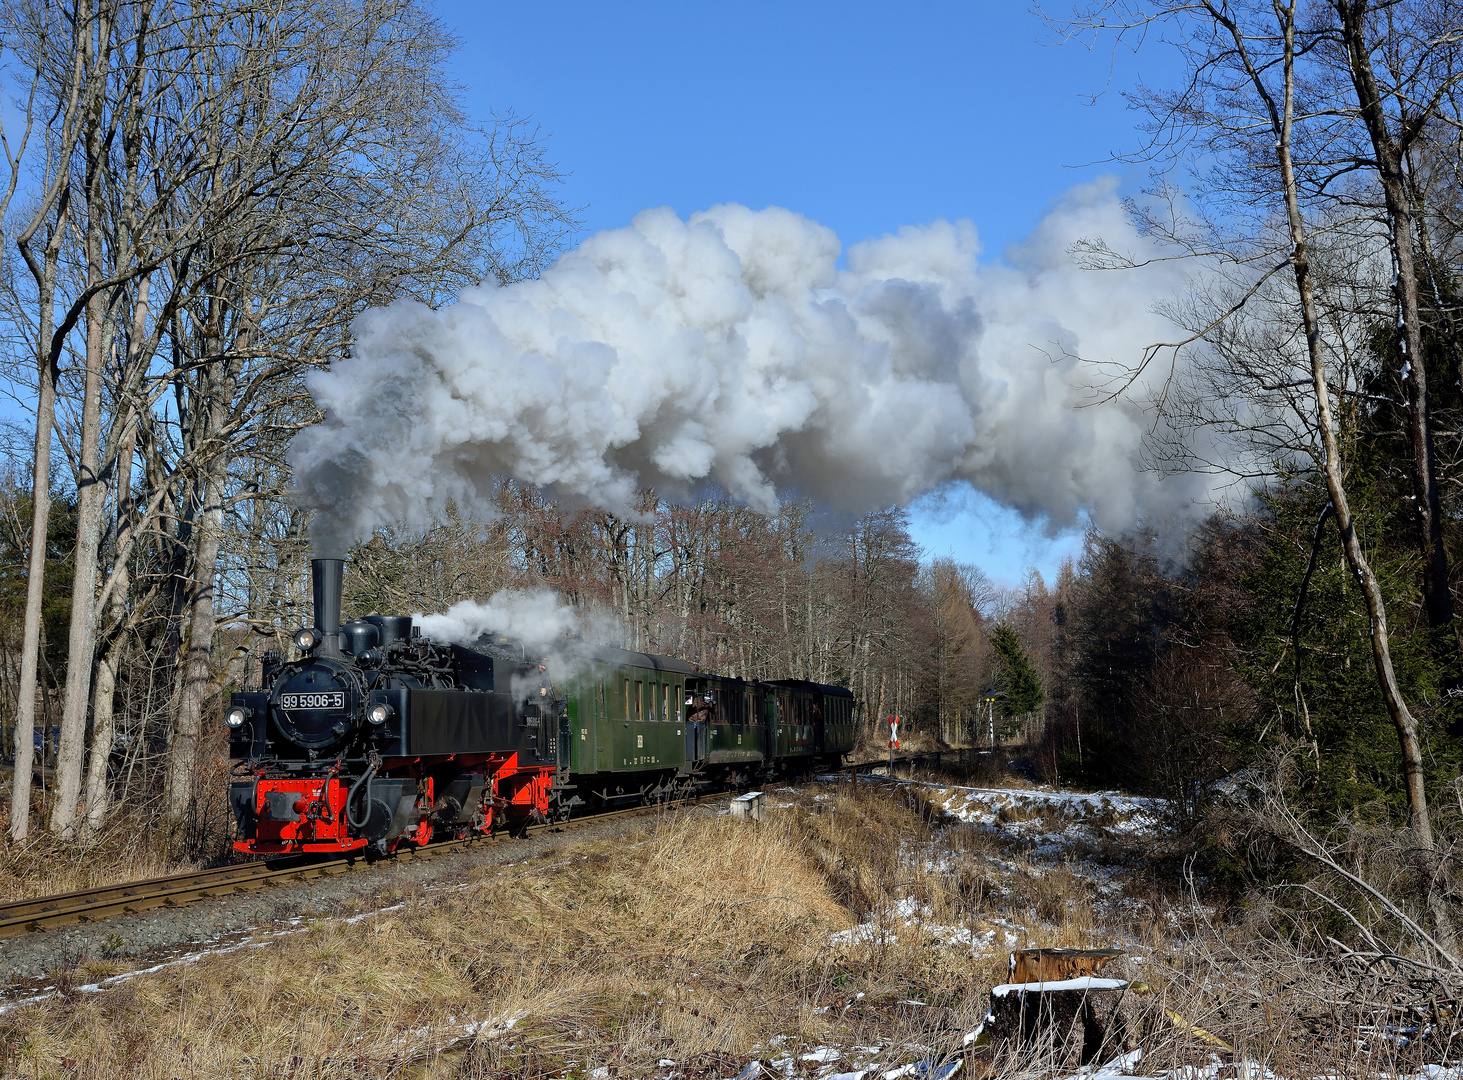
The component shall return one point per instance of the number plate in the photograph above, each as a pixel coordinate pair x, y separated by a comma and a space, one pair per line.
335, 700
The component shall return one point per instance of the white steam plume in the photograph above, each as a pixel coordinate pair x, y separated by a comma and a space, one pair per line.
731, 350
537, 617
549, 629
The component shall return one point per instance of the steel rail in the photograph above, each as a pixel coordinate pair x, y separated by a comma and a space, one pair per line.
44, 913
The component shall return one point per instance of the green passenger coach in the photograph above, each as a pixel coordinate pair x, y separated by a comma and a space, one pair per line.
624, 726
637, 726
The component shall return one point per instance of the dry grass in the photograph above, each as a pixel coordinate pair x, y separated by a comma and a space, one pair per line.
45, 866
697, 942
706, 942
136, 843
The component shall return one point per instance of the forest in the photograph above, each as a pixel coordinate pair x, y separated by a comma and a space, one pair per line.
200, 200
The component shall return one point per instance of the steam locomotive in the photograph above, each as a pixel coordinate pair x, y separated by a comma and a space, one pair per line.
375, 736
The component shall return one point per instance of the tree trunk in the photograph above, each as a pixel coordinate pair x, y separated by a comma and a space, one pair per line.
1438, 599
91, 494
198, 660
30, 649
103, 696
25, 707
1402, 719
219, 385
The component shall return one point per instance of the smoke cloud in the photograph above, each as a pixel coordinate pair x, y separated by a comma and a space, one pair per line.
731, 350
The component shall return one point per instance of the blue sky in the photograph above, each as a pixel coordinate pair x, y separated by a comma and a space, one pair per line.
864, 117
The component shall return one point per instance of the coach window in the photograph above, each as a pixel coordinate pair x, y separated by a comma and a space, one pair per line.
602, 712
629, 708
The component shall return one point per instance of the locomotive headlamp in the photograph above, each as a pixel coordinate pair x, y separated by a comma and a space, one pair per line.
543, 691
379, 713
236, 716
306, 638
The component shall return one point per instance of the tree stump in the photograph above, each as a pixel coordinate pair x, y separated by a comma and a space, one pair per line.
1067, 1022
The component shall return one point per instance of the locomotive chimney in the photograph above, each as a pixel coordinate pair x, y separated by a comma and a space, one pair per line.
326, 576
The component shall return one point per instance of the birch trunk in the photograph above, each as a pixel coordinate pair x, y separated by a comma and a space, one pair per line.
91, 494
103, 696
220, 385
30, 650
1402, 719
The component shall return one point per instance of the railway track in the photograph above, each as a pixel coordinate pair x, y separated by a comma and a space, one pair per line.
175, 890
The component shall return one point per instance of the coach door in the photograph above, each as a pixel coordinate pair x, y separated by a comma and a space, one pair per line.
601, 728
769, 717
695, 731
565, 757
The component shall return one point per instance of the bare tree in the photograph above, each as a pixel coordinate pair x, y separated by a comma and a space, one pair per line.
957, 593
65, 83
